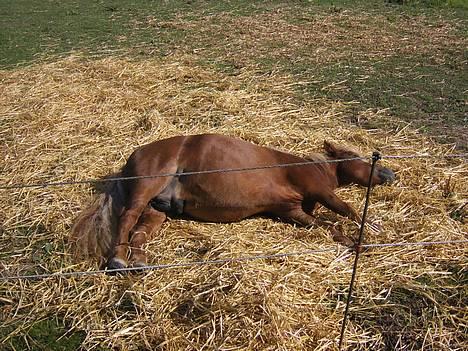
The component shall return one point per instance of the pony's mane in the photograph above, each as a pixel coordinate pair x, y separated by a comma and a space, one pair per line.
316, 157
345, 152
342, 152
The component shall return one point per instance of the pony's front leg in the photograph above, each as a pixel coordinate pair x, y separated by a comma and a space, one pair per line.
150, 221
297, 215
300, 216
334, 203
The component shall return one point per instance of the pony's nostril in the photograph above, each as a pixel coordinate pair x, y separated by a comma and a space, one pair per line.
387, 175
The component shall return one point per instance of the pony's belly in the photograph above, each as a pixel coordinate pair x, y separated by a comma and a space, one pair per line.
220, 214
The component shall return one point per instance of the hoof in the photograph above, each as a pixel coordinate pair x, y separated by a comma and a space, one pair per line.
357, 248
341, 239
116, 263
139, 266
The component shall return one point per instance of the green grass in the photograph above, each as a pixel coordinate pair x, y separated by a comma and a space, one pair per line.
31, 28
413, 89
48, 334
439, 3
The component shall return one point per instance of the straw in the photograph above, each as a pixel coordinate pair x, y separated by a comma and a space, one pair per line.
77, 118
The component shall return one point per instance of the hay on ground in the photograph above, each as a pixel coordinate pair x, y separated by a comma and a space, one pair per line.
79, 119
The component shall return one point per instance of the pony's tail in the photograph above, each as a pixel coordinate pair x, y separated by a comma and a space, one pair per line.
94, 231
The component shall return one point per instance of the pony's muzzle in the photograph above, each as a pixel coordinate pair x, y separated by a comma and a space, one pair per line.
386, 175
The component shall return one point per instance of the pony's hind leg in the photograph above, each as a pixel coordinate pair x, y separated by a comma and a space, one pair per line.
140, 194
150, 221
121, 251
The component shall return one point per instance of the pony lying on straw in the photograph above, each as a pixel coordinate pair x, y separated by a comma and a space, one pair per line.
129, 212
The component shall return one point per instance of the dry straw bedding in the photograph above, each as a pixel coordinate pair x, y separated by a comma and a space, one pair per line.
78, 119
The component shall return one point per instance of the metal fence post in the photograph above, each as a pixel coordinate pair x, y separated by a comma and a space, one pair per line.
375, 157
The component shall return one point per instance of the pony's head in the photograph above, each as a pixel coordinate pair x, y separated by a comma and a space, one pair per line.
356, 171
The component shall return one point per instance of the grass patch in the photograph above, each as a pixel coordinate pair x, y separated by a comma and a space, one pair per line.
55, 27
412, 89
435, 3
59, 26
48, 334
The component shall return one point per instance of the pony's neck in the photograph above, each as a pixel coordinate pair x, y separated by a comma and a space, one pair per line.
331, 168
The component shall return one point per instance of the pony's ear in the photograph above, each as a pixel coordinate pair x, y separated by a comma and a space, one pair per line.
330, 149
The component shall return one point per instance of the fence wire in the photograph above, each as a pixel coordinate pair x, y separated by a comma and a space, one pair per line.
425, 156
213, 171
218, 261
417, 243
168, 266
177, 174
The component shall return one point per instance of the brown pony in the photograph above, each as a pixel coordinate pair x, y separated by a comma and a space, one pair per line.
128, 212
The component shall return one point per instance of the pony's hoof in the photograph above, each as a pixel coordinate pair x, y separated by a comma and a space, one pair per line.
139, 266
341, 239
116, 263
